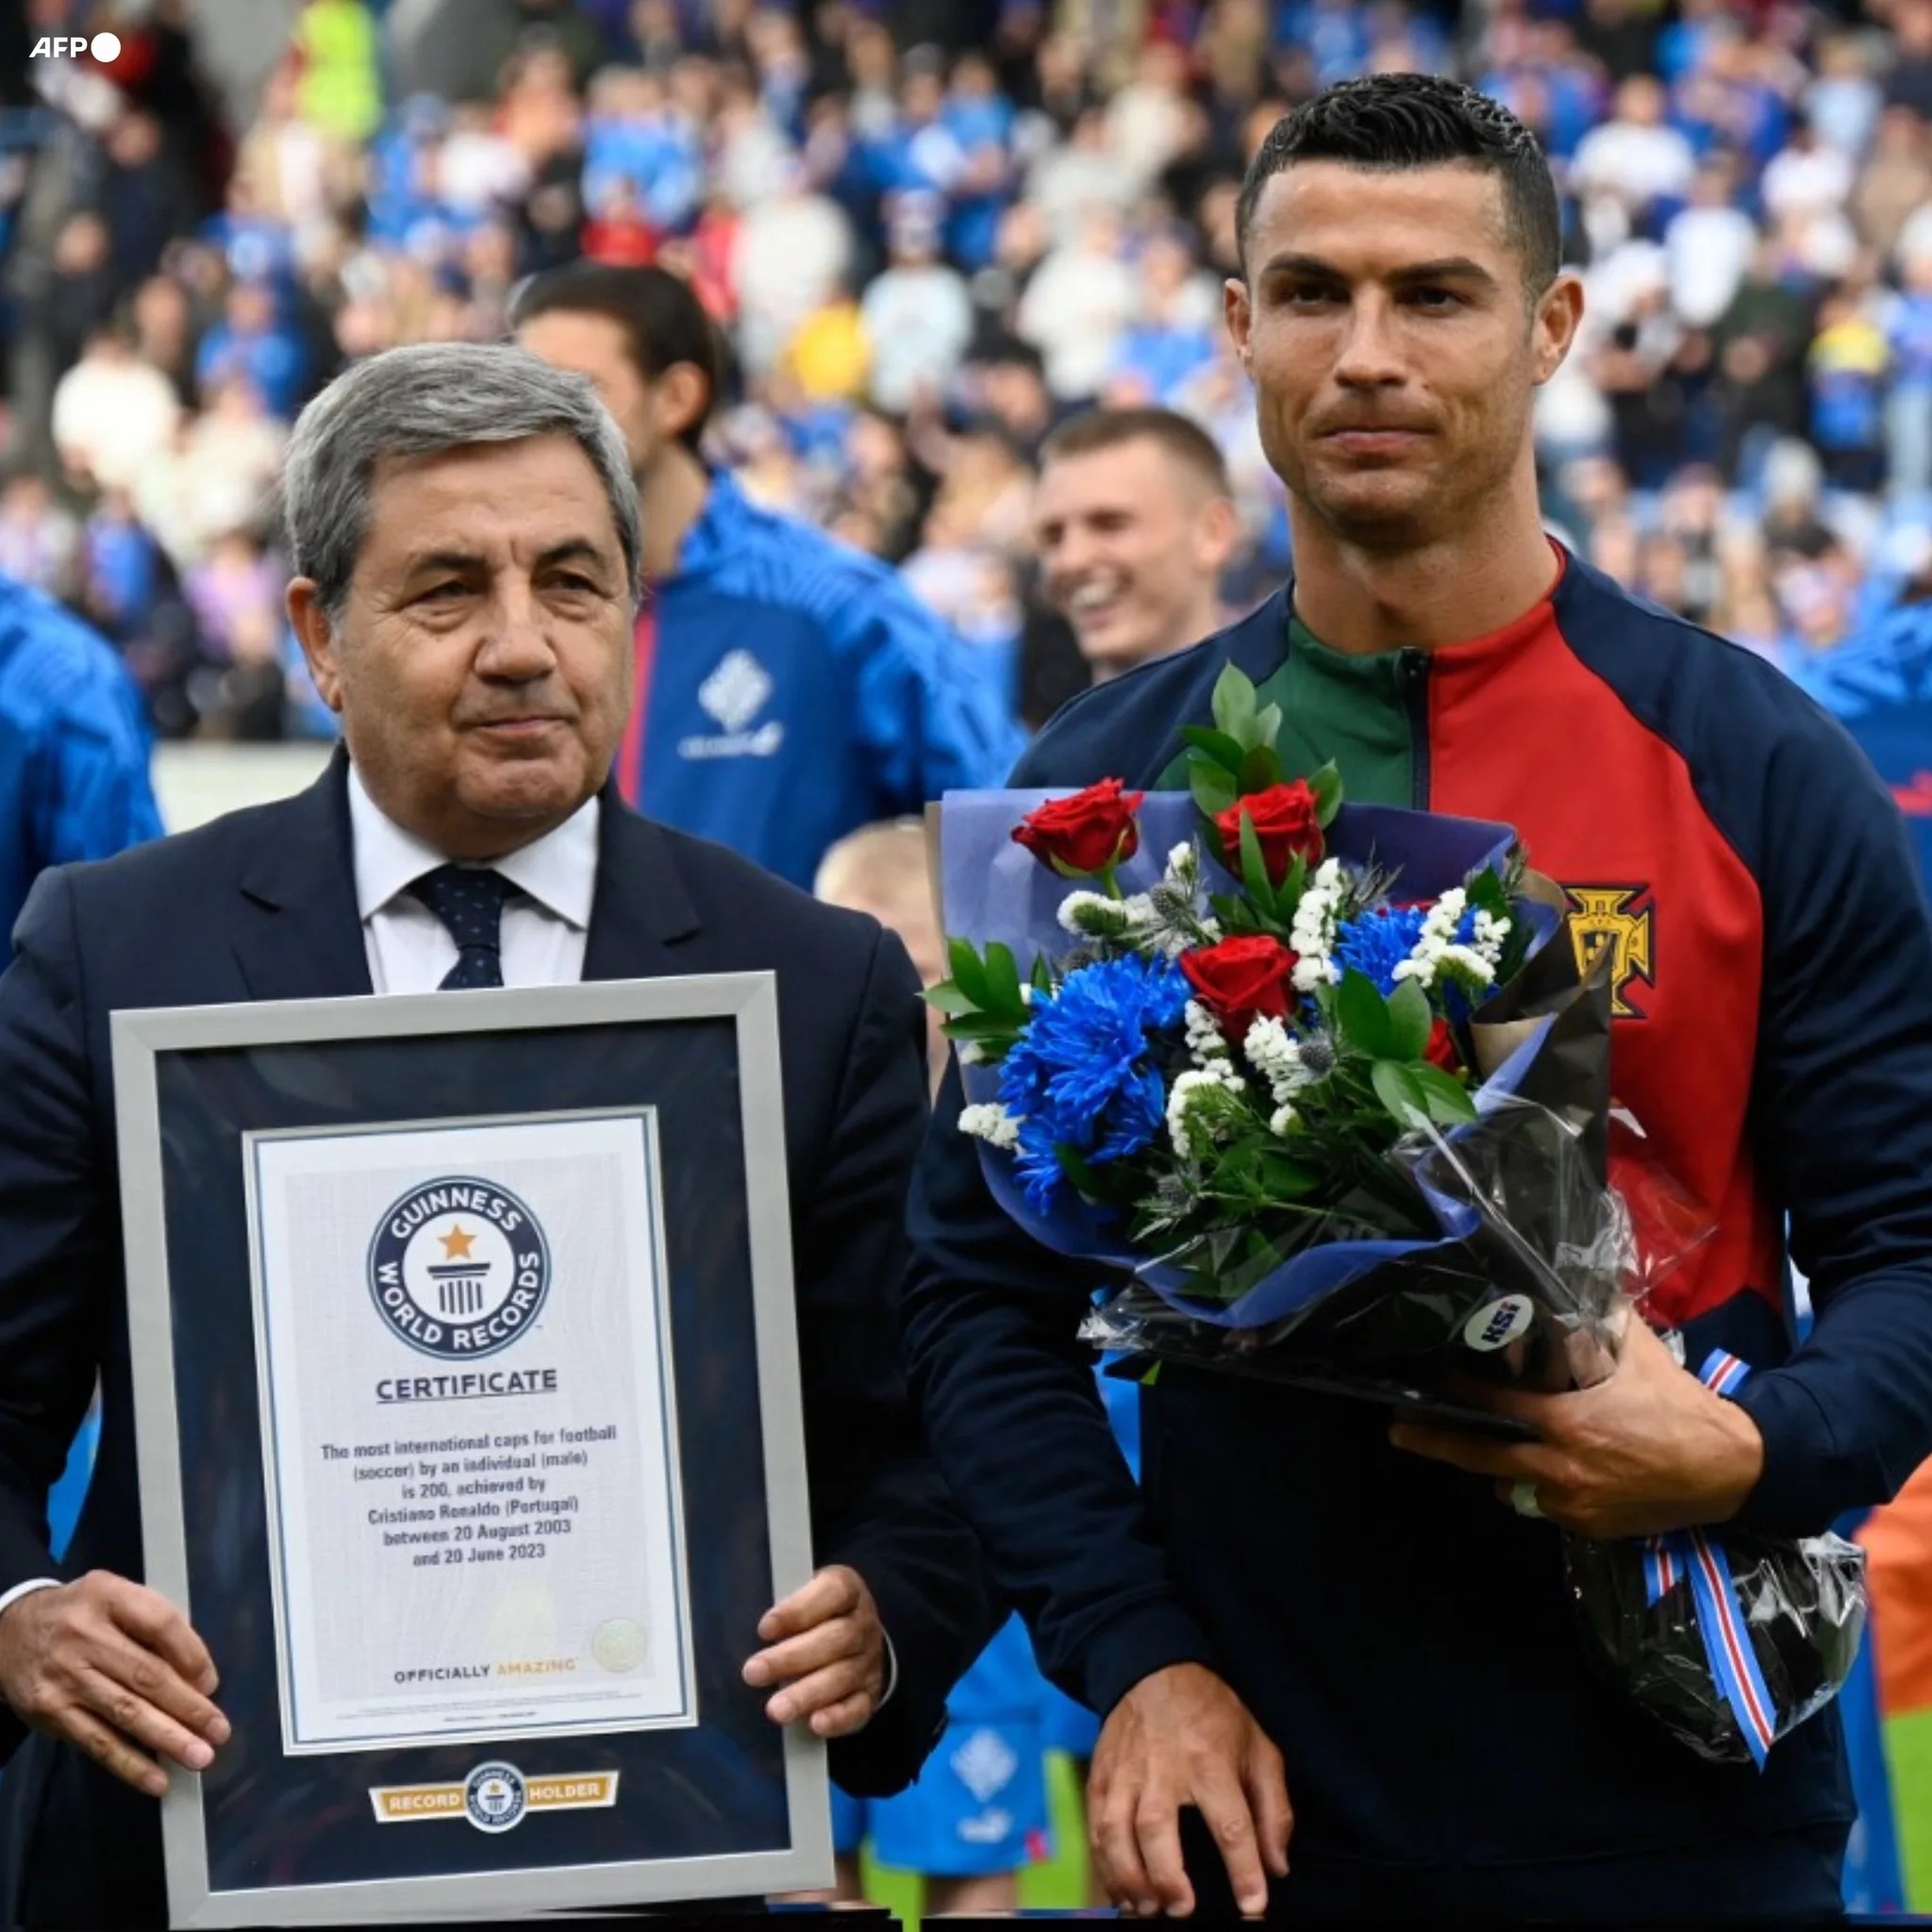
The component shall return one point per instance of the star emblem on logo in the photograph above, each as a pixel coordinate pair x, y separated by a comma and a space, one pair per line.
456, 1243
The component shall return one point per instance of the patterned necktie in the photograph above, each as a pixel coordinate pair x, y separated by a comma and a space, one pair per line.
469, 901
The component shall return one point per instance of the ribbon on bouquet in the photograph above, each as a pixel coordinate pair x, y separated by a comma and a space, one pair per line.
1690, 1553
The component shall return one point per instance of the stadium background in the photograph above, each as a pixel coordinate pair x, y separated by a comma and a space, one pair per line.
929, 230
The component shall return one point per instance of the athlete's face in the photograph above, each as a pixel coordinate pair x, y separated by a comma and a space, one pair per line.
1393, 345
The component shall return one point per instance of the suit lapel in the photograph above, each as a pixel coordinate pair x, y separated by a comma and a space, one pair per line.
300, 937
642, 909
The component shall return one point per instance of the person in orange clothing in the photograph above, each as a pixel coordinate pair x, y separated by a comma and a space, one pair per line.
1898, 1541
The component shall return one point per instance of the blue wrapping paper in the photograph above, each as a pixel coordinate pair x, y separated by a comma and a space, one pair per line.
993, 888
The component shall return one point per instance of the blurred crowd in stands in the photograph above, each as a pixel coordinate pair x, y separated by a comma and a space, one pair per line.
930, 232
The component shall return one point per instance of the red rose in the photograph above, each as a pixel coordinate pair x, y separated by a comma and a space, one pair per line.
1285, 823
1083, 836
1243, 980
1441, 1051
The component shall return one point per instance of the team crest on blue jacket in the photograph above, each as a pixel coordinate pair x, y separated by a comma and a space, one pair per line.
459, 1268
1608, 919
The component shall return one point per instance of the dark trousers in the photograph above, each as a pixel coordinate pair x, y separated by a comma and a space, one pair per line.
1795, 1876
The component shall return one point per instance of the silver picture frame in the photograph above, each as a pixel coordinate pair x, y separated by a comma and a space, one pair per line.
142, 1042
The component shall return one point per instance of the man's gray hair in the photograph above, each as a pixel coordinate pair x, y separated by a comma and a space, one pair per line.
419, 401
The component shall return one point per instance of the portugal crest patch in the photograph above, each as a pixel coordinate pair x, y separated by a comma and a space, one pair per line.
1610, 918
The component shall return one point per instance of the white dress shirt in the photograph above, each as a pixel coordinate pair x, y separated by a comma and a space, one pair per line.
545, 922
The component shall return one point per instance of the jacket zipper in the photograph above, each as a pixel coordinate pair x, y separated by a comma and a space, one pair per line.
1413, 675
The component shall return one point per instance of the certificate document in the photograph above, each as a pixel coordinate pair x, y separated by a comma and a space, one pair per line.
465, 1348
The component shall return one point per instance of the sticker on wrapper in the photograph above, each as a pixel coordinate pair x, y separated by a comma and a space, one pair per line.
1496, 1325
495, 1797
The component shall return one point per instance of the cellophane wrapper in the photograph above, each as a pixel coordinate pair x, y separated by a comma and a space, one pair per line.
1549, 1264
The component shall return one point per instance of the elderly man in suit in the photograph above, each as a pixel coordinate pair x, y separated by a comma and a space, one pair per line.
465, 529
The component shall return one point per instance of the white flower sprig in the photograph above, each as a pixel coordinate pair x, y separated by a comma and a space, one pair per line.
1205, 1039
992, 1124
1312, 934
1094, 916
1277, 1055
1202, 1092
1438, 955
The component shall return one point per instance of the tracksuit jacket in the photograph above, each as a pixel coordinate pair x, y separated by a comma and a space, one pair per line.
1403, 1637
790, 690
73, 748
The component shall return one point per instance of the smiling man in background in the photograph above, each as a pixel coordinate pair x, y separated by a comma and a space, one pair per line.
1134, 521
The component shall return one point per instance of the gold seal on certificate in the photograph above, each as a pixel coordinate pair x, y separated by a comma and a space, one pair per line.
620, 1646
471, 1436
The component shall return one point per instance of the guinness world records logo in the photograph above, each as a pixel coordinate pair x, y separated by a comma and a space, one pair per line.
458, 1268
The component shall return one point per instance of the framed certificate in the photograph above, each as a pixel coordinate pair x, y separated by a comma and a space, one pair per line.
470, 1441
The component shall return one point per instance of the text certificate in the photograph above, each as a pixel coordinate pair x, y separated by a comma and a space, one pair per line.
469, 1431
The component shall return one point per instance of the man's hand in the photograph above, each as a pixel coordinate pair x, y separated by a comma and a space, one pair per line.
1649, 1449
104, 1661
1181, 1736
827, 1647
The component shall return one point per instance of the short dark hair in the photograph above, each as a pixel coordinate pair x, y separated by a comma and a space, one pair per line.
662, 320
1419, 121
1181, 437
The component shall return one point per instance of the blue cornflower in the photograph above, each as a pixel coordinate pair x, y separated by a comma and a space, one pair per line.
1375, 943
1082, 1078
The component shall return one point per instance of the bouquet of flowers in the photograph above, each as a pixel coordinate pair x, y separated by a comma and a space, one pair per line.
1230, 1070
1325, 1083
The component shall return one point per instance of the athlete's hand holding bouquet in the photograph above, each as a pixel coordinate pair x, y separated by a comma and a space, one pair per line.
1323, 1082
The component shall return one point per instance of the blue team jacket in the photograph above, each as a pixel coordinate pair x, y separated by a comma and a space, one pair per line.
73, 748
791, 689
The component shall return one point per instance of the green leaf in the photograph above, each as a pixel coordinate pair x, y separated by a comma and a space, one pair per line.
1411, 1021
1236, 915
1216, 745
1259, 769
1042, 974
1447, 1099
968, 974
1287, 1179
1487, 892
1326, 786
950, 997
1233, 703
1398, 1089
1268, 725
1003, 981
1213, 789
982, 1026
1362, 1014
1255, 868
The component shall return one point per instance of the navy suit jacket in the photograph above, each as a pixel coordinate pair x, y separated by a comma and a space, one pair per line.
261, 906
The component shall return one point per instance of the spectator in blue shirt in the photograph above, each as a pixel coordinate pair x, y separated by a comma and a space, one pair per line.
73, 748
250, 341
1909, 412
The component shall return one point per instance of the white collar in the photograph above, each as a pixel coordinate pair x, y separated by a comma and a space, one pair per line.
558, 870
